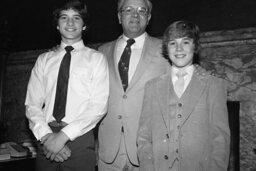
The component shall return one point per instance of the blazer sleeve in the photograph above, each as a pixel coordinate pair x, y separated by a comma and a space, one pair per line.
220, 131
144, 135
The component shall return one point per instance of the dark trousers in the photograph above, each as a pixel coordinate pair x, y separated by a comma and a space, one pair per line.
83, 157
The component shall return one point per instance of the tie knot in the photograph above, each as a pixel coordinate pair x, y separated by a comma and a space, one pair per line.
69, 48
130, 42
180, 74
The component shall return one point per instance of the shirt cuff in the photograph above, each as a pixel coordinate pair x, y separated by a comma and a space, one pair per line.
39, 133
72, 131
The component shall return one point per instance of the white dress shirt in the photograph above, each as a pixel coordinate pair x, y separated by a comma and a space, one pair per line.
88, 91
187, 78
136, 50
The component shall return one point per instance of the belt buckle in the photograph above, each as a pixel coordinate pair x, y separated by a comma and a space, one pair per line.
61, 124
57, 124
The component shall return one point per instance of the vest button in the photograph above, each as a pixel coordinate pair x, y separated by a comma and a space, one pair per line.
166, 157
124, 96
179, 104
179, 115
119, 117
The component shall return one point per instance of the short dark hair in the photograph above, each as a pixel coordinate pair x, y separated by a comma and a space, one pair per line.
180, 29
76, 6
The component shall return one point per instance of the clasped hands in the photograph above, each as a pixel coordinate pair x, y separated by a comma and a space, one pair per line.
54, 146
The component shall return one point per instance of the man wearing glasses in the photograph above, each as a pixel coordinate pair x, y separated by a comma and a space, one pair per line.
134, 58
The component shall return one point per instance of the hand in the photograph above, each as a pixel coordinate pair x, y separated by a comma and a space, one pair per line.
43, 139
47, 153
53, 143
63, 155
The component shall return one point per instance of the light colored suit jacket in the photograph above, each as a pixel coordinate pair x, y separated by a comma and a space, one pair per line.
124, 108
203, 135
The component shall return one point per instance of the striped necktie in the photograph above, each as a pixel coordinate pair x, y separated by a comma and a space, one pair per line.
123, 65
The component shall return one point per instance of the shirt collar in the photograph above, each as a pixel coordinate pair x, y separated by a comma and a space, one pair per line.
189, 69
139, 41
77, 45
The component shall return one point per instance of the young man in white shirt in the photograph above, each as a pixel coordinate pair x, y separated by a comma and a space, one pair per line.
67, 143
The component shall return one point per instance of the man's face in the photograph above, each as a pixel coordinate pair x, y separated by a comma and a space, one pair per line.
70, 26
181, 51
133, 19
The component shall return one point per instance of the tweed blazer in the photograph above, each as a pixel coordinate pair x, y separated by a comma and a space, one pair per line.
202, 136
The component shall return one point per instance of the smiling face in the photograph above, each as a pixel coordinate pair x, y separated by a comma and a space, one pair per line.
134, 22
181, 51
70, 26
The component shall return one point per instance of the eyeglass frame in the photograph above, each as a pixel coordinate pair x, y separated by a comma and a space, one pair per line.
133, 10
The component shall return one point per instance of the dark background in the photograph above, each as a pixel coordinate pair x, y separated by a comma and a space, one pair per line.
26, 24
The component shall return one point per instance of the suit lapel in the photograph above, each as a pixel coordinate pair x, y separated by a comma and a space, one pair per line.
192, 95
113, 68
163, 95
143, 63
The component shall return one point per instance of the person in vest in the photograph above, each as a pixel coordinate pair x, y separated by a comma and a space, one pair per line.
184, 120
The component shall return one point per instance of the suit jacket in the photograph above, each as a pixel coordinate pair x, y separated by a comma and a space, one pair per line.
202, 136
124, 108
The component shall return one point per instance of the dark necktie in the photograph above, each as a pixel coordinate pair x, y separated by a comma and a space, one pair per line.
123, 65
62, 86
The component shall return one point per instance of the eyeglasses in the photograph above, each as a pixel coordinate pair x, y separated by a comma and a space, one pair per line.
130, 10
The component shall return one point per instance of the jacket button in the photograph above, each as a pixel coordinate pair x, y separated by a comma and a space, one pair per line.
124, 96
177, 151
179, 104
179, 115
119, 117
165, 157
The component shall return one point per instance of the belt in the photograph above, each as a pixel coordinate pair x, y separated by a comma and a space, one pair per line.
57, 124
